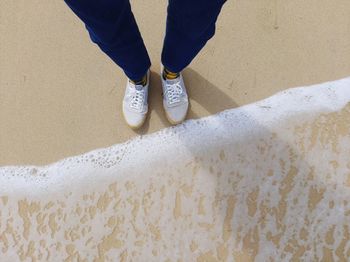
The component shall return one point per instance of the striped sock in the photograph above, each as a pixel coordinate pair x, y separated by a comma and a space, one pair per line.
169, 75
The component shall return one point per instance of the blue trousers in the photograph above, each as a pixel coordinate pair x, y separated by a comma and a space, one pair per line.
112, 26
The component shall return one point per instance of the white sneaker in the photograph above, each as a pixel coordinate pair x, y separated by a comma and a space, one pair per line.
135, 105
175, 99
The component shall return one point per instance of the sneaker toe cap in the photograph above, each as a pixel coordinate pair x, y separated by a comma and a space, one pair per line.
133, 119
177, 114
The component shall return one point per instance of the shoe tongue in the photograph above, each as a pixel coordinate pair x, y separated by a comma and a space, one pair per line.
138, 87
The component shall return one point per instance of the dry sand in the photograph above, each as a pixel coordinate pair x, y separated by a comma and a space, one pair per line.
60, 96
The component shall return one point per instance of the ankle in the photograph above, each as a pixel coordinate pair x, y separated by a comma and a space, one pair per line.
142, 81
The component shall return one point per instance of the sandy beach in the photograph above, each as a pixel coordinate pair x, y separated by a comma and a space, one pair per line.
259, 172
60, 96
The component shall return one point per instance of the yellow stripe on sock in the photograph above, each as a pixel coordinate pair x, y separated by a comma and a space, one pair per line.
169, 75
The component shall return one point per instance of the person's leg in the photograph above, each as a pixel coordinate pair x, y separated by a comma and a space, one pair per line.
190, 24
113, 28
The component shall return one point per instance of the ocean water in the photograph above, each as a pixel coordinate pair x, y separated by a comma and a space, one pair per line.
269, 181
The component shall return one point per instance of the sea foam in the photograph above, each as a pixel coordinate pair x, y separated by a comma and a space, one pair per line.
265, 181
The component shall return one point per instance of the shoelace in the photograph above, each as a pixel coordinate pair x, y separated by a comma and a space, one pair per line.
173, 92
137, 98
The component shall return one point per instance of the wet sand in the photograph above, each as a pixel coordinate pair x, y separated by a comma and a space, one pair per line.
269, 181
60, 96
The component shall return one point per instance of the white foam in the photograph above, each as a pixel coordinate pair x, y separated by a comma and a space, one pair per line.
226, 155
